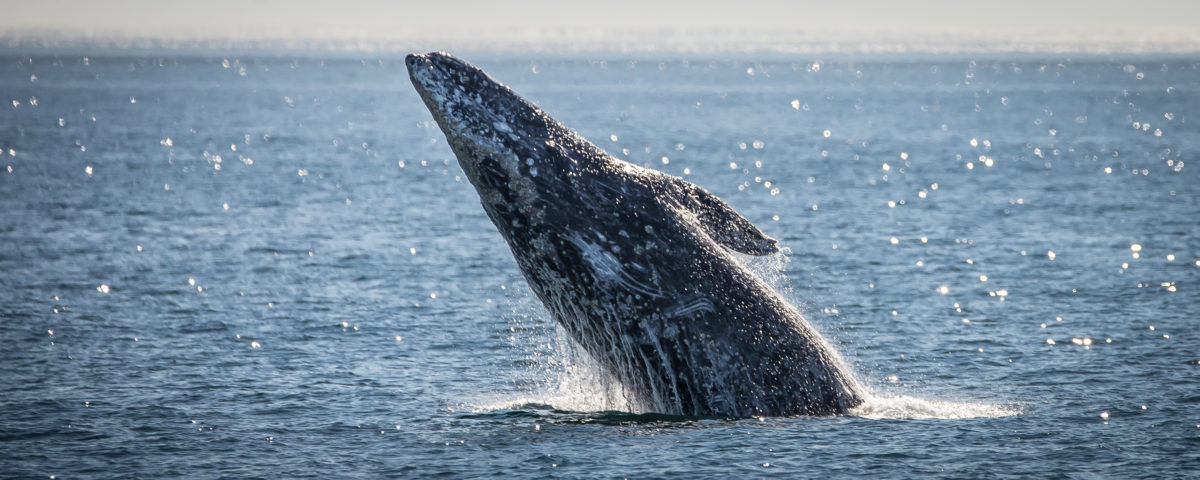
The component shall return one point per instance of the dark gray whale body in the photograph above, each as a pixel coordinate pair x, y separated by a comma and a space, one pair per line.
632, 261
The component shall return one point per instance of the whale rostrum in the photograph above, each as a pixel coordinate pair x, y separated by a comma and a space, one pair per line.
633, 263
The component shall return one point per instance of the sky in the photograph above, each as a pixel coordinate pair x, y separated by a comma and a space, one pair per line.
548, 20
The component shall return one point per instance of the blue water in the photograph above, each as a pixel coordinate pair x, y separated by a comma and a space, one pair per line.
268, 265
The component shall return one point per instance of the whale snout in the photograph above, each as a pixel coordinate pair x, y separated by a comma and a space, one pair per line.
414, 59
436, 71
431, 60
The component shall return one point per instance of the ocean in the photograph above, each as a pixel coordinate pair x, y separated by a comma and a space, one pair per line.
269, 264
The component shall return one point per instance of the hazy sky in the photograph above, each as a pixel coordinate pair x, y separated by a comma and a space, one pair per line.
407, 18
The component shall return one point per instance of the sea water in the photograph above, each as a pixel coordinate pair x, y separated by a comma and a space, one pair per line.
268, 264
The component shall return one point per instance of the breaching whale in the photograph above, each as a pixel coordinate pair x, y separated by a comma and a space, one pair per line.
632, 262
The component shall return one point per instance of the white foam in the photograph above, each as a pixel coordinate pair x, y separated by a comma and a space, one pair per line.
908, 408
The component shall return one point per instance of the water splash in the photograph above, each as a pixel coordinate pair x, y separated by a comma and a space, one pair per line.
581, 389
561, 378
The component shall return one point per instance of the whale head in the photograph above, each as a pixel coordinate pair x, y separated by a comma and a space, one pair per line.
516, 156
469, 105
543, 185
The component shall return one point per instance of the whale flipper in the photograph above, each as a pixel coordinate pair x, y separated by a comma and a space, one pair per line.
723, 224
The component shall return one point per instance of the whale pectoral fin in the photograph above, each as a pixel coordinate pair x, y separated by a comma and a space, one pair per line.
725, 226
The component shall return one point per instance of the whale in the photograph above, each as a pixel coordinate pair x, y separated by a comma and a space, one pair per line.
639, 267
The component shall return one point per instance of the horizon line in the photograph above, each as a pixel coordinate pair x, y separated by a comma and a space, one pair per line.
641, 40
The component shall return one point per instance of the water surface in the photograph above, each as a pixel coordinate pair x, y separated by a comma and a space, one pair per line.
270, 265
